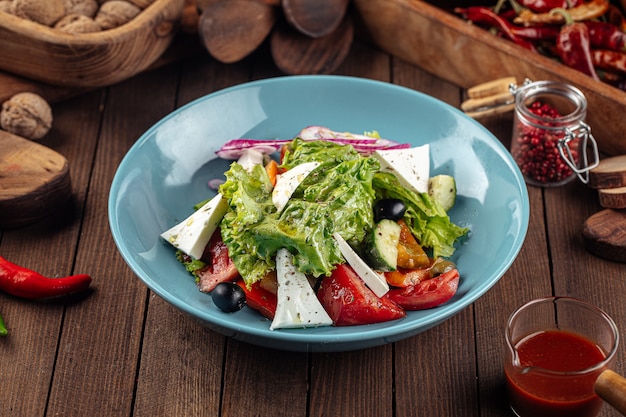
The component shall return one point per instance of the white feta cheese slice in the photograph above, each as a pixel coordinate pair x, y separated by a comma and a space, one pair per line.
410, 166
192, 234
287, 182
375, 281
297, 304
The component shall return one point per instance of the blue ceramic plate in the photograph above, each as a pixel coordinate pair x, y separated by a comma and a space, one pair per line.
166, 172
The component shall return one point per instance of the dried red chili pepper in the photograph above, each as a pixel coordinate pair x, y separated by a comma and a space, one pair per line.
574, 47
484, 16
609, 60
583, 11
543, 6
606, 36
26, 283
536, 33
615, 17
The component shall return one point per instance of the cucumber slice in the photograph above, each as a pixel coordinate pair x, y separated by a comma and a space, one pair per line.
382, 245
442, 188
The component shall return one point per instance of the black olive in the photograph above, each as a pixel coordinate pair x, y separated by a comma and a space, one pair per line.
389, 208
228, 297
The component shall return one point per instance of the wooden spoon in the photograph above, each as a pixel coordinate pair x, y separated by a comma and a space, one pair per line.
611, 387
34, 181
231, 29
295, 53
315, 18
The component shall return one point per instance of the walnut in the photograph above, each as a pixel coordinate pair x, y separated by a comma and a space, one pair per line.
45, 12
77, 23
115, 13
27, 115
142, 4
6, 6
84, 7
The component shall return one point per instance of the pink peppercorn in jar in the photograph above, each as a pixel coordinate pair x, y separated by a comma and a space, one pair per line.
550, 138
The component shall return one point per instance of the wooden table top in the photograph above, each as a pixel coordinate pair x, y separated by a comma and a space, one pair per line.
123, 351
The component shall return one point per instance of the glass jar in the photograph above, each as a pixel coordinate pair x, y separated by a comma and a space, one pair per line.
550, 136
555, 349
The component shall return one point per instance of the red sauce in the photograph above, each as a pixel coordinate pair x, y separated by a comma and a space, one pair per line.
539, 394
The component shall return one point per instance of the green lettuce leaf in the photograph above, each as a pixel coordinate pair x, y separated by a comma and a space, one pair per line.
336, 197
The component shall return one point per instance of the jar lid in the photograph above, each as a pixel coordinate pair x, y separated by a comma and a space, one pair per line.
569, 102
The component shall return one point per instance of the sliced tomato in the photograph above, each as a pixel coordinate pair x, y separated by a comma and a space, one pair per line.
260, 299
220, 268
428, 293
348, 301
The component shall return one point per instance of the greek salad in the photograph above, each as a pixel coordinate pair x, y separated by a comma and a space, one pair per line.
327, 228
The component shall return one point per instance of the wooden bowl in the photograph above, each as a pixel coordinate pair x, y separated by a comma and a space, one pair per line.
465, 55
96, 59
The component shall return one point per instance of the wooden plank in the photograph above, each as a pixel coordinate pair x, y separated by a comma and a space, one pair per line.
357, 383
181, 365
435, 371
101, 381
264, 382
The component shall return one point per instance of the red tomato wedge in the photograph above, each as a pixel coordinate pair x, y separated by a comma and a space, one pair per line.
260, 299
348, 301
220, 268
428, 293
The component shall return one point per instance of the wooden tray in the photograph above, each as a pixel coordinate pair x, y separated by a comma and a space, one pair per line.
88, 60
445, 45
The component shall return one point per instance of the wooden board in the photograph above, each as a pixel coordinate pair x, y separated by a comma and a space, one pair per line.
34, 181
604, 234
466, 55
91, 59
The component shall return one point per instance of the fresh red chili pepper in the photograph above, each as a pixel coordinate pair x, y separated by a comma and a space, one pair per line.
23, 282
609, 60
3, 328
574, 47
484, 16
606, 36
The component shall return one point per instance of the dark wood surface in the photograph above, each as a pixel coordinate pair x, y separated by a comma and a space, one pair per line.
123, 351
